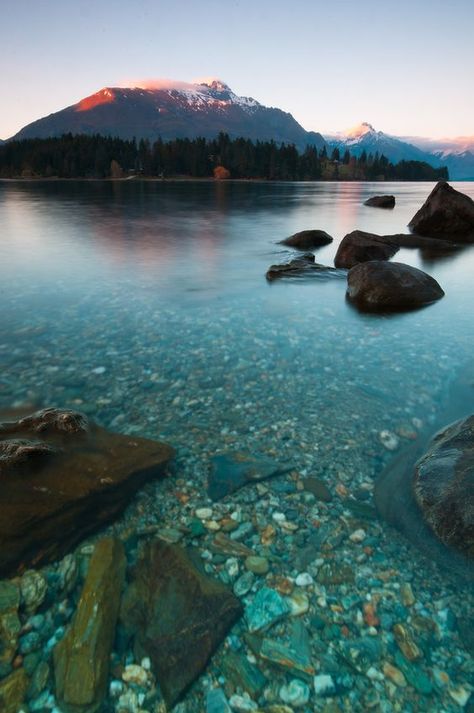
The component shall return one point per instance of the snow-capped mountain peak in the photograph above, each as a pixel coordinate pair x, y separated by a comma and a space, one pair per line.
356, 132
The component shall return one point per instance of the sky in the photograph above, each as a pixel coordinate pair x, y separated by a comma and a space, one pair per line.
407, 67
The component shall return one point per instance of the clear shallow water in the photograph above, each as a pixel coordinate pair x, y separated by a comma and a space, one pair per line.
146, 305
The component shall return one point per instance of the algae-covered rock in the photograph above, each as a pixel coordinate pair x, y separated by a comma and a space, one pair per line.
81, 659
177, 615
12, 691
9, 622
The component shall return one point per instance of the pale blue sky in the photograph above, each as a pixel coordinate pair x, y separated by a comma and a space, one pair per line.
407, 66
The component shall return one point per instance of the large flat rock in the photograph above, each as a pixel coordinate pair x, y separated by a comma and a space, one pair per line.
63, 477
177, 615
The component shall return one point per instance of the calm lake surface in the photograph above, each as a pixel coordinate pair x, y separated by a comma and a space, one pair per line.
145, 305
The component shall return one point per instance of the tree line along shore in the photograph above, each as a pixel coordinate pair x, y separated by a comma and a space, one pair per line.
96, 156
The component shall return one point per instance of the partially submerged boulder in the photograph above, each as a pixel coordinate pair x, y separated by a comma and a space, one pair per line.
61, 478
381, 202
176, 615
446, 213
390, 286
360, 246
443, 485
82, 657
303, 266
308, 239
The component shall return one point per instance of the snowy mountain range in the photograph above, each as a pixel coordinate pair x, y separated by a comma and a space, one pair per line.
456, 154
173, 109
170, 109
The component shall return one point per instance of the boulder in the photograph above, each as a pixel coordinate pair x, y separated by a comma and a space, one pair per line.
446, 213
381, 202
176, 615
63, 477
303, 266
359, 246
443, 485
390, 286
308, 239
82, 657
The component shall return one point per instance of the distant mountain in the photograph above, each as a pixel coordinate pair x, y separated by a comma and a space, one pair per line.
365, 138
170, 110
457, 154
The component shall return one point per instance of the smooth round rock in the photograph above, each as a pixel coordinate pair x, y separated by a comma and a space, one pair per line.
257, 565
390, 286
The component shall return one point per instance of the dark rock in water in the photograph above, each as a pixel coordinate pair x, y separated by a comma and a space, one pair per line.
308, 239
230, 471
396, 504
318, 488
443, 485
61, 478
303, 266
82, 657
446, 213
390, 286
359, 246
381, 202
177, 615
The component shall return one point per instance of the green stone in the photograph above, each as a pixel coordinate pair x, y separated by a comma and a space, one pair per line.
82, 657
9, 622
286, 657
12, 691
414, 674
239, 671
267, 608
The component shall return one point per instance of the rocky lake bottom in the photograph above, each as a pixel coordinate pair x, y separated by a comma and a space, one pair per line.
339, 611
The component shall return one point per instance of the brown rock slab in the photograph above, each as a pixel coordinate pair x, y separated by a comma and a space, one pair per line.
177, 615
360, 246
82, 657
443, 485
308, 239
446, 213
61, 478
390, 286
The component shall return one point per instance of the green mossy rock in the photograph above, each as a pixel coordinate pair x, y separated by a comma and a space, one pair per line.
82, 658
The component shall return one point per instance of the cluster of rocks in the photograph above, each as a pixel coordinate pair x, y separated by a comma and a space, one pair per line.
306, 606
373, 283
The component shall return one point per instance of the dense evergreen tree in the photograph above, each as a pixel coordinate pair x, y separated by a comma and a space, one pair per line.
97, 156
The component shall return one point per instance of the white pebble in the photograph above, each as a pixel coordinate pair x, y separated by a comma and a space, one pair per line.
99, 370
323, 684
278, 517
389, 440
304, 580
358, 535
204, 513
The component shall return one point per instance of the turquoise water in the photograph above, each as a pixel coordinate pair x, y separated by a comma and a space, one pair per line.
145, 305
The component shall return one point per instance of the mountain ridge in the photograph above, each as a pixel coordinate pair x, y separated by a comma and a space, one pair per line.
168, 110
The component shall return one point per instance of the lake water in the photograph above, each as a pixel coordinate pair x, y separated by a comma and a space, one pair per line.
145, 305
